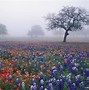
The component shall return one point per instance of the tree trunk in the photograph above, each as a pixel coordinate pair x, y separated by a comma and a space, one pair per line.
65, 36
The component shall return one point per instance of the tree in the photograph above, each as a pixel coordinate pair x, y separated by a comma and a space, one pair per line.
69, 19
3, 30
36, 30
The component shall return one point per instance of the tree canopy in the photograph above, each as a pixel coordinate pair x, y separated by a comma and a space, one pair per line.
69, 19
36, 30
3, 30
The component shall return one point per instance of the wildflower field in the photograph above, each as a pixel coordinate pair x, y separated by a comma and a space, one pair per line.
44, 66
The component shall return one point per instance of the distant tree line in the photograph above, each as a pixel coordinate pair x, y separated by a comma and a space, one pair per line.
36, 31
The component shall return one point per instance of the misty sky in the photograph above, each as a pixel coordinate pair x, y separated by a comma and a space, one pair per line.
20, 15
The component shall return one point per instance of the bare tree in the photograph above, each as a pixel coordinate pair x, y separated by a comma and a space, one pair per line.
36, 30
69, 19
3, 30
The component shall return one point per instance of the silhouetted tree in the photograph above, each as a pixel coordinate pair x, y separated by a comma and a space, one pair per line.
69, 19
3, 30
36, 30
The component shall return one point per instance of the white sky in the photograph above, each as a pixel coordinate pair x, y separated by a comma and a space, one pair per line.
20, 15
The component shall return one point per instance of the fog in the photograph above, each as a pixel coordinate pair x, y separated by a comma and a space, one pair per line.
20, 15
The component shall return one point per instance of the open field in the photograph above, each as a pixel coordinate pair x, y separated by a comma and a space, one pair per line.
44, 66
79, 39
